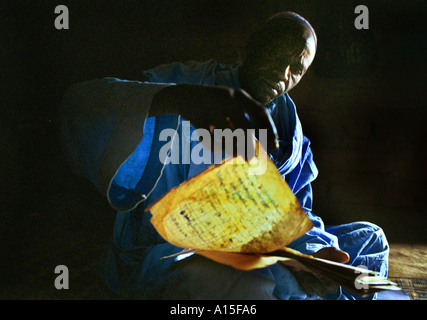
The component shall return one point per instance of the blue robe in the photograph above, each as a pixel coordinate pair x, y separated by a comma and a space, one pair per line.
126, 166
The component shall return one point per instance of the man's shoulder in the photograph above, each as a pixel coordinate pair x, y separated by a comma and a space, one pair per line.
192, 71
180, 71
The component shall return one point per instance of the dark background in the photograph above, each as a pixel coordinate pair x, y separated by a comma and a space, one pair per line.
361, 104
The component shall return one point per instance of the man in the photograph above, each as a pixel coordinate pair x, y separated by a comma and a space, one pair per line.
111, 131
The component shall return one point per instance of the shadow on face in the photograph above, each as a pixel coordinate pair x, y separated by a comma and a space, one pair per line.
277, 57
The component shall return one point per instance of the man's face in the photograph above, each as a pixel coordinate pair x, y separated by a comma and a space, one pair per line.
279, 69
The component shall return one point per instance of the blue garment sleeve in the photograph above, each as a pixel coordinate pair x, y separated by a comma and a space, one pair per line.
299, 181
107, 136
190, 72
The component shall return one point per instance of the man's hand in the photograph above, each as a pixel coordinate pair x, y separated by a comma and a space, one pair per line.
313, 284
215, 107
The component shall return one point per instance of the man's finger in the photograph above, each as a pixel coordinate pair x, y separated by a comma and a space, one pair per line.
332, 254
261, 119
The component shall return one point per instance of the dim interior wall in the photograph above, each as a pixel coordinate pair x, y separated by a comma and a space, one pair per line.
367, 127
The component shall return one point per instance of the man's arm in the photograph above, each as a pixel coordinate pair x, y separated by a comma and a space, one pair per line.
211, 107
102, 120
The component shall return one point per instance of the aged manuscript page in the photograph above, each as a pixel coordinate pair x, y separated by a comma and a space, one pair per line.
225, 208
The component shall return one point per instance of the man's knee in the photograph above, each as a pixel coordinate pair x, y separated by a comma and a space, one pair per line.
200, 278
375, 232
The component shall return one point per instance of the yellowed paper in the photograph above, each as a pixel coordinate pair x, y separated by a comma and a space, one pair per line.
246, 262
227, 209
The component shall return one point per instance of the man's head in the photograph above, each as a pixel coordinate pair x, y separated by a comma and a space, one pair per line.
277, 56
